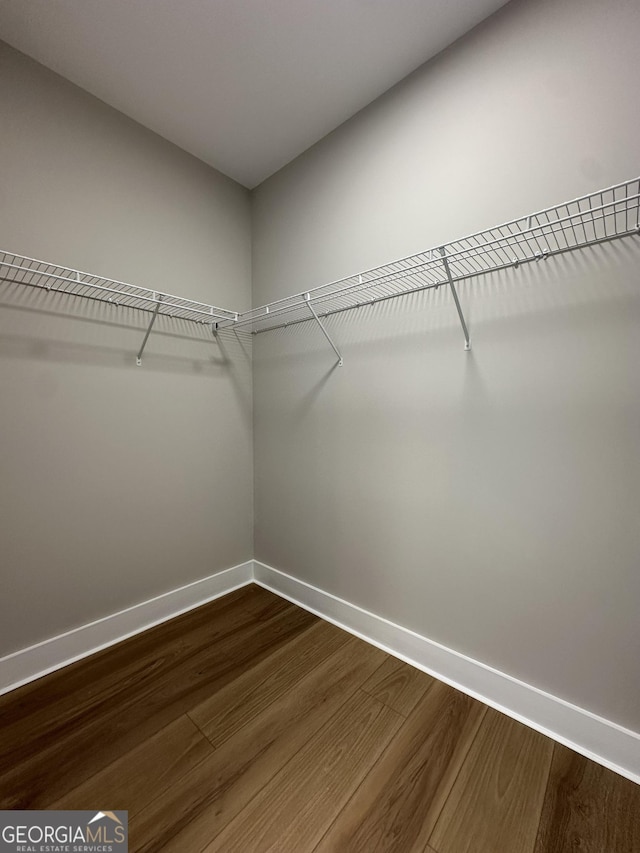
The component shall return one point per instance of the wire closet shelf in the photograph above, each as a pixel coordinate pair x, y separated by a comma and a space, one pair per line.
18, 269
52, 277
604, 215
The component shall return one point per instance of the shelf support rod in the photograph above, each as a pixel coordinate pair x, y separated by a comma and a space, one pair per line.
445, 263
324, 331
146, 337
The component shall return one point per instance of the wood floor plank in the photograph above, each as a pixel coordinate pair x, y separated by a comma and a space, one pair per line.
588, 808
189, 816
51, 707
137, 778
265, 680
398, 685
264, 604
496, 801
253, 597
232, 707
78, 686
292, 812
398, 803
167, 685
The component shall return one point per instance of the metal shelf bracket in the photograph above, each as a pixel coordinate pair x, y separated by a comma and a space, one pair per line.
324, 331
146, 337
454, 293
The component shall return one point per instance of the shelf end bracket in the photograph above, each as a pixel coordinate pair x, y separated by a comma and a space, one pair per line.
454, 293
324, 331
146, 337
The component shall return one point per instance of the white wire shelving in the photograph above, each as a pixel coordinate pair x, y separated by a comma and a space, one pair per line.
31, 272
601, 216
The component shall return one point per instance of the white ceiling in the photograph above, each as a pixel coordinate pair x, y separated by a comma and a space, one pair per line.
245, 85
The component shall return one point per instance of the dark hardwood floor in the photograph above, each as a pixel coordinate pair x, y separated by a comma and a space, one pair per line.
250, 725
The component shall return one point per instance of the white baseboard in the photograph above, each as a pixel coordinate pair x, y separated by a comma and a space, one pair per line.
28, 664
601, 740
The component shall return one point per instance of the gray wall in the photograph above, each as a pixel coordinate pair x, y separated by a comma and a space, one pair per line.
118, 482
487, 500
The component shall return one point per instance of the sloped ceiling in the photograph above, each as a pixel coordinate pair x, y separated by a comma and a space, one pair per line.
245, 85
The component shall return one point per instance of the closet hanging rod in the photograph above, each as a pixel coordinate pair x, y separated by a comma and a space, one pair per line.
595, 218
